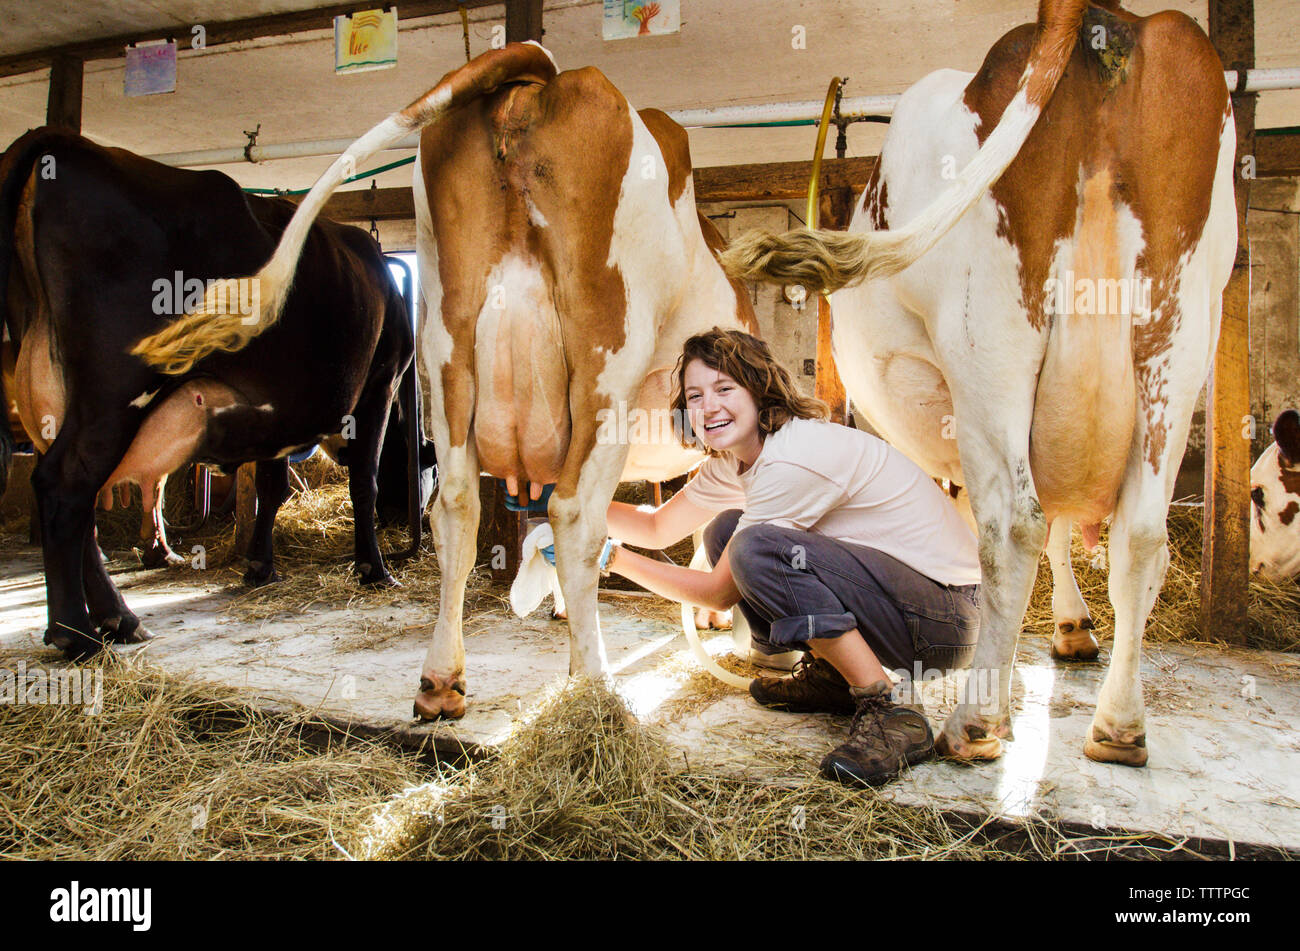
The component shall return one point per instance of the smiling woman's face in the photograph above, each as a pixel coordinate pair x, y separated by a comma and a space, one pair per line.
722, 412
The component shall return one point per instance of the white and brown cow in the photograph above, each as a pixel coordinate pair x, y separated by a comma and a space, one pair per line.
563, 264
999, 199
1275, 498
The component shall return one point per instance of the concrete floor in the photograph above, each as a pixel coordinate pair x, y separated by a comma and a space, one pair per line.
1225, 749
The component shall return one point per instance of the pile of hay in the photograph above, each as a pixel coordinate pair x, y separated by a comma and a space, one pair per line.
580, 778
1274, 612
172, 769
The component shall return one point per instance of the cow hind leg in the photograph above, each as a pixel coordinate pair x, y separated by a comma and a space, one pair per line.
1073, 637
1012, 534
455, 535
577, 515
1139, 557
363, 485
113, 620
154, 550
66, 482
1139, 551
271, 479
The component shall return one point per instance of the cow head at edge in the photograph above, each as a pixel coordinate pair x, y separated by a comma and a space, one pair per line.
1275, 503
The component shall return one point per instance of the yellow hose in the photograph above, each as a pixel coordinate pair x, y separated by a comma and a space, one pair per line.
812, 217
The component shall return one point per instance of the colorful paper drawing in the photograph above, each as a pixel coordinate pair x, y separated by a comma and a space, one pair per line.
151, 69
365, 41
624, 19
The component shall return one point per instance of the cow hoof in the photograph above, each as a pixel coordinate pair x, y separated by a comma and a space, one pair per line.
129, 631
706, 620
559, 615
381, 580
75, 644
440, 699
1075, 641
156, 556
259, 574
1128, 749
972, 741
968, 750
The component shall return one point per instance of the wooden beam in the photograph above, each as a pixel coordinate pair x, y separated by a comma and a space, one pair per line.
778, 181
369, 204
835, 210
1225, 570
524, 21
228, 31
1277, 155
771, 181
63, 110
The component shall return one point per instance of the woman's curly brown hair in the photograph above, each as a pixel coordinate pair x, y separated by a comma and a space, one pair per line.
748, 361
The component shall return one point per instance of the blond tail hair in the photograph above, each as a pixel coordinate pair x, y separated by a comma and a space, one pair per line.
829, 260
213, 327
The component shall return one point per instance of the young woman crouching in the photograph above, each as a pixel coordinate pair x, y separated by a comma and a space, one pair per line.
828, 539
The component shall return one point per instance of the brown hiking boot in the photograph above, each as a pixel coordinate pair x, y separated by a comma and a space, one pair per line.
883, 739
815, 687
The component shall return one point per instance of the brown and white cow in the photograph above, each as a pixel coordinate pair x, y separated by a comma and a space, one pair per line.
1091, 154
563, 264
1275, 498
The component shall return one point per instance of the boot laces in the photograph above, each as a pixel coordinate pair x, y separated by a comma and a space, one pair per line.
872, 708
803, 667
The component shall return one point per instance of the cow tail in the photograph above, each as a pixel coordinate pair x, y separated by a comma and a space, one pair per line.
827, 260
213, 327
15, 166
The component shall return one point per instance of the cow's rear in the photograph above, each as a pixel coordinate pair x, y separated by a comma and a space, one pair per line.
1106, 212
563, 264
1064, 287
557, 263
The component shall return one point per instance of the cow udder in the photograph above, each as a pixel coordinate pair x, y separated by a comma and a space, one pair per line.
521, 408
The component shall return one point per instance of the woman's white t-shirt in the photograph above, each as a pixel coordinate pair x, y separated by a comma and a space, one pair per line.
822, 477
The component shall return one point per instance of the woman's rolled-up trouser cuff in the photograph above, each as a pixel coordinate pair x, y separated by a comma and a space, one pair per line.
794, 633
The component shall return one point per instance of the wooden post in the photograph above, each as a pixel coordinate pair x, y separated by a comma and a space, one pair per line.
836, 210
523, 21
500, 532
245, 508
1225, 552
64, 108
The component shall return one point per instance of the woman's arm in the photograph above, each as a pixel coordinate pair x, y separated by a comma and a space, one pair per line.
656, 529
714, 589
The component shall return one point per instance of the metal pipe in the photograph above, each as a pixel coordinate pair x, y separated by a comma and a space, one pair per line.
1262, 80
1257, 80
267, 153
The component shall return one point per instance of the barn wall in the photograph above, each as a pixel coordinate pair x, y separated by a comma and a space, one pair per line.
1275, 297
1274, 234
792, 334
